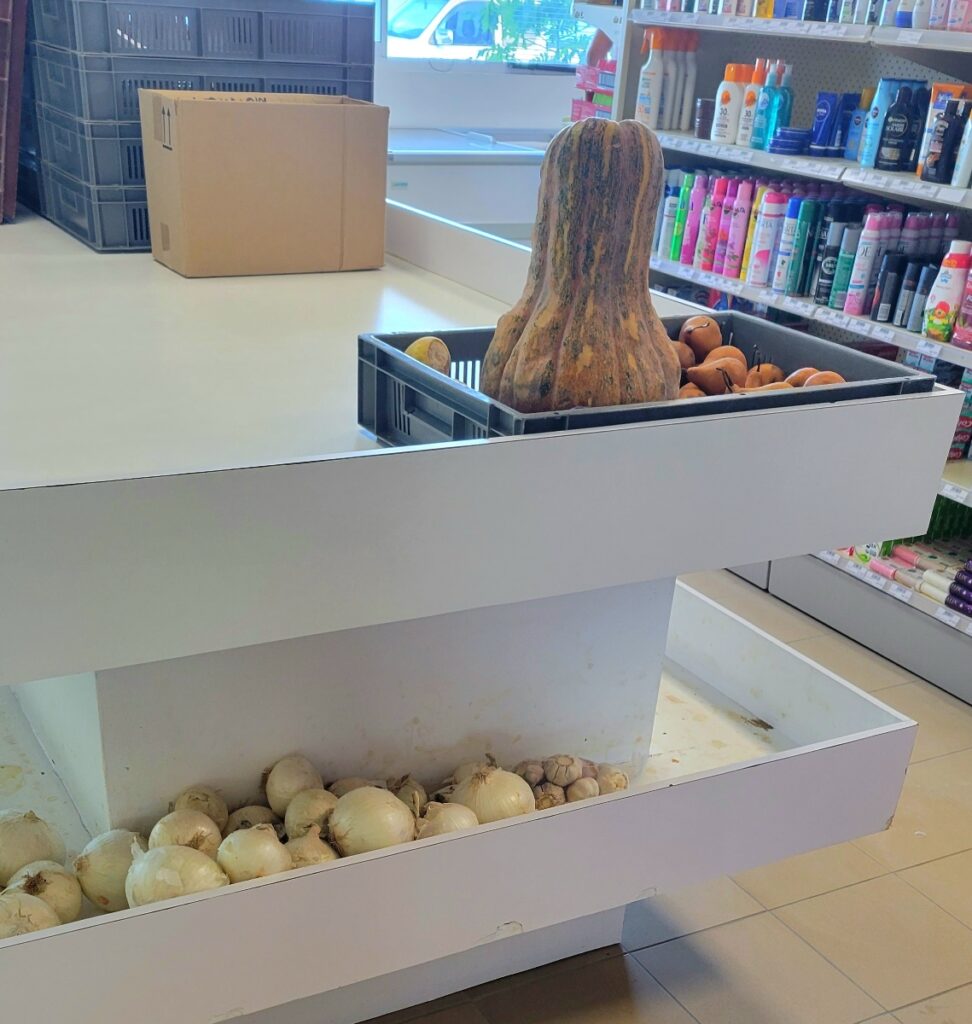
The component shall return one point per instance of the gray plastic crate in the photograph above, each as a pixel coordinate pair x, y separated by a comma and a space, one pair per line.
96, 87
95, 152
30, 184
322, 31
404, 402
107, 219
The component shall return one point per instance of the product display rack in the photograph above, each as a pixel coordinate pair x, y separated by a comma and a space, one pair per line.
864, 53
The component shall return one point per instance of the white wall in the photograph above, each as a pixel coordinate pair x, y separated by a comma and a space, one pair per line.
449, 94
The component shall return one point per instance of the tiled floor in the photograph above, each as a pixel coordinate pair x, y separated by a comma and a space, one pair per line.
878, 930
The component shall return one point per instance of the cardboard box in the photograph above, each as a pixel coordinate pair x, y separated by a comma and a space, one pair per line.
264, 183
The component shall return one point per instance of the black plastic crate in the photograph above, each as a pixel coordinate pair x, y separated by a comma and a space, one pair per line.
403, 402
320, 31
107, 219
96, 87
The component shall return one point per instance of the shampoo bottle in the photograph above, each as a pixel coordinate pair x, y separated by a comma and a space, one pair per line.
894, 143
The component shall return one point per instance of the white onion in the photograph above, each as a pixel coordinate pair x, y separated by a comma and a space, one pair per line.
103, 867
468, 768
441, 818
253, 814
187, 828
170, 871
369, 818
308, 807
253, 853
343, 786
310, 849
287, 778
610, 779
411, 793
494, 793
205, 799
21, 913
25, 838
52, 883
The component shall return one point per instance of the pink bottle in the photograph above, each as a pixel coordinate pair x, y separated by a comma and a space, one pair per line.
712, 225
719, 260
696, 201
959, 16
736, 244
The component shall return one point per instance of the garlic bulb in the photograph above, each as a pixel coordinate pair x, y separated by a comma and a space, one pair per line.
187, 828
441, 818
52, 883
253, 853
369, 818
582, 789
170, 871
308, 807
25, 838
310, 849
610, 779
343, 786
205, 799
588, 769
562, 769
493, 793
287, 778
21, 913
530, 771
548, 795
255, 814
103, 867
411, 793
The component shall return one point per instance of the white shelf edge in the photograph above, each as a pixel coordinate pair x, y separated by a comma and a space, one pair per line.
922, 39
957, 482
962, 624
902, 185
609, 18
802, 306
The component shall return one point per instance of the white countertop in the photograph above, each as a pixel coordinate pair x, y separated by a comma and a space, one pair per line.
112, 366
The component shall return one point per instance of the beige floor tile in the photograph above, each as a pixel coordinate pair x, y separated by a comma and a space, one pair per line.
947, 882
944, 723
809, 874
953, 1007
689, 910
889, 938
934, 816
615, 991
755, 971
755, 605
854, 663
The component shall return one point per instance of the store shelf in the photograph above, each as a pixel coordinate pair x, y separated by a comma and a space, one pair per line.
762, 26
921, 603
922, 39
901, 631
957, 482
775, 756
802, 306
904, 186
609, 18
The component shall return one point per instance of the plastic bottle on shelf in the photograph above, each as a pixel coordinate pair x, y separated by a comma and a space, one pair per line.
921, 15
688, 84
910, 241
736, 241
784, 254
700, 190
888, 12
679, 44
904, 15
666, 113
713, 223
845, 265
774, 78
855, 130
959, 16
938, 14
916, 314
945, 297
781, 105
962, 172
729, 100
681, 216
764, 8
727, 7
761, 189
894, 144
769, 226
745, 8
747, 113
650, 79
665, 222
703, 226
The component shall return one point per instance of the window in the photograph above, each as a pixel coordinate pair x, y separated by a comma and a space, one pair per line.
507, 31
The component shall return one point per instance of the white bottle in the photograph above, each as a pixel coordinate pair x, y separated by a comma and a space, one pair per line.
962, 175
727, 7
938, 15
650, 81
959, 16
679, 43
666, 115
921, 15
888, 11
747, 114
728, 104
688, 86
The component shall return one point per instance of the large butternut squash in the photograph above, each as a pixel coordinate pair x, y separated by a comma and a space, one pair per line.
584, 332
